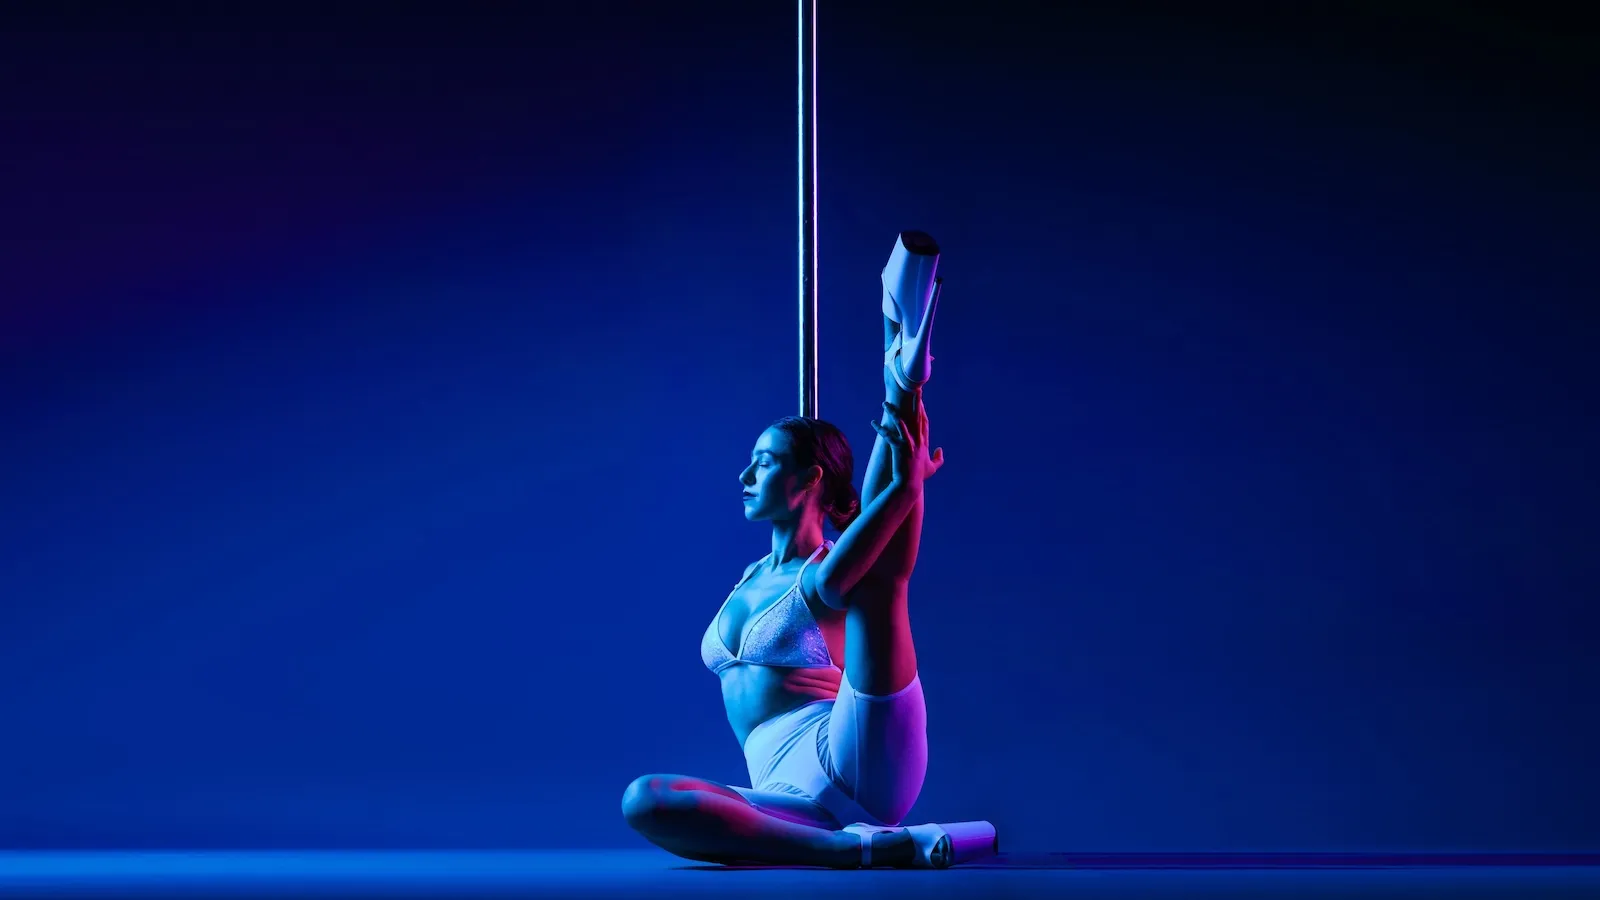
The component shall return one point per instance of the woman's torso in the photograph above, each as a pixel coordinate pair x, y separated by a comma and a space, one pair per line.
752, 692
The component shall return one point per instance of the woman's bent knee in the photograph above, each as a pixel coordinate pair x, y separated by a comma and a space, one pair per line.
648, 795
642, 798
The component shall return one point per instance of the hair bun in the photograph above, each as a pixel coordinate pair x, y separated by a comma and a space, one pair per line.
845, 506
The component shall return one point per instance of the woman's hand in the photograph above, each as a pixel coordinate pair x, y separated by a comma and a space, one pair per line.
910, 462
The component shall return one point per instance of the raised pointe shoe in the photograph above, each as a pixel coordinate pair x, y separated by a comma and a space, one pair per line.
910, 299
937, 846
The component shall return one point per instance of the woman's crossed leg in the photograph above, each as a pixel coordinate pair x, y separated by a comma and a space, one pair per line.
704, 820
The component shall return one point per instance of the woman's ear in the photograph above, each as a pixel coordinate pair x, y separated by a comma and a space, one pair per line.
814, 478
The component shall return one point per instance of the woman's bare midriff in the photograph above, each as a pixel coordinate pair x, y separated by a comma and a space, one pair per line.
753, 694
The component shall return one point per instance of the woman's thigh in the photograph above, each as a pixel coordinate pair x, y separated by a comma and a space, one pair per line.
877, 748
796, 808
655, 786
649, 791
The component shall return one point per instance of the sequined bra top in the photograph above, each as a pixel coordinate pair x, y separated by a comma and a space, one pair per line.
783, 634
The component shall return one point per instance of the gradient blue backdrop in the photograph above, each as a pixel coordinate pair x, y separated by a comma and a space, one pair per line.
373, 392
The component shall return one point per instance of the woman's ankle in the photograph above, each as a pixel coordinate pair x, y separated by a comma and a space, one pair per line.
898, 397
845, 850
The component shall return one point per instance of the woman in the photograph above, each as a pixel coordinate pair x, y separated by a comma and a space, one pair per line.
836, 757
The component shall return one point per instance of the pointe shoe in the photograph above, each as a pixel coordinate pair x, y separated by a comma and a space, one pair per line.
910, 298
937, 846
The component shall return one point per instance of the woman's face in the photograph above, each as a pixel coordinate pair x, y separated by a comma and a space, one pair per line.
772, 487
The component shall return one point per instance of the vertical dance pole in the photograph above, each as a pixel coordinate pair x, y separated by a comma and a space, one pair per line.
808, 208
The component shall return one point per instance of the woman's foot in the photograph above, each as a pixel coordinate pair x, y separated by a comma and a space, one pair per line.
908, 278
903, 847
910, 299
894, 848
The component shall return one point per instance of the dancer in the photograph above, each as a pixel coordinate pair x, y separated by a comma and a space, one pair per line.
836, 757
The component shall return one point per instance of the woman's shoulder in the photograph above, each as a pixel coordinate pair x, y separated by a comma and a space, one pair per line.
751, 569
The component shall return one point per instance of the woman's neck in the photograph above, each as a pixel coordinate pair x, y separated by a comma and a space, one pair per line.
794, 540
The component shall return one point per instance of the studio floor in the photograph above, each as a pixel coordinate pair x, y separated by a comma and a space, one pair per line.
651, 873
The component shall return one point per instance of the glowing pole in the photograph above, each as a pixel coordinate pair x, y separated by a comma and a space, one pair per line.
808, 208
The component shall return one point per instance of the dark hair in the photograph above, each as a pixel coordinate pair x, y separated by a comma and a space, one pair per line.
813, 442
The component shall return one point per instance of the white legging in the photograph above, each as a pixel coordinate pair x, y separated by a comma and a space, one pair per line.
830, 763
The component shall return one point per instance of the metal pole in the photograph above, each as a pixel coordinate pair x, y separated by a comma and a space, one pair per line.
808, 208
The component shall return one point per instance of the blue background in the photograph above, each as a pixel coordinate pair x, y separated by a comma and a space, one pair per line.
373, 392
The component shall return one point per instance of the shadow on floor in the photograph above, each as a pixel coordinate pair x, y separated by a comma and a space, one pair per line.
1242, 861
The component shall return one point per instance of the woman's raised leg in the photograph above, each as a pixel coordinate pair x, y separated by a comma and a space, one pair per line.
877, 733
880, 657
879, 654
877, 730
